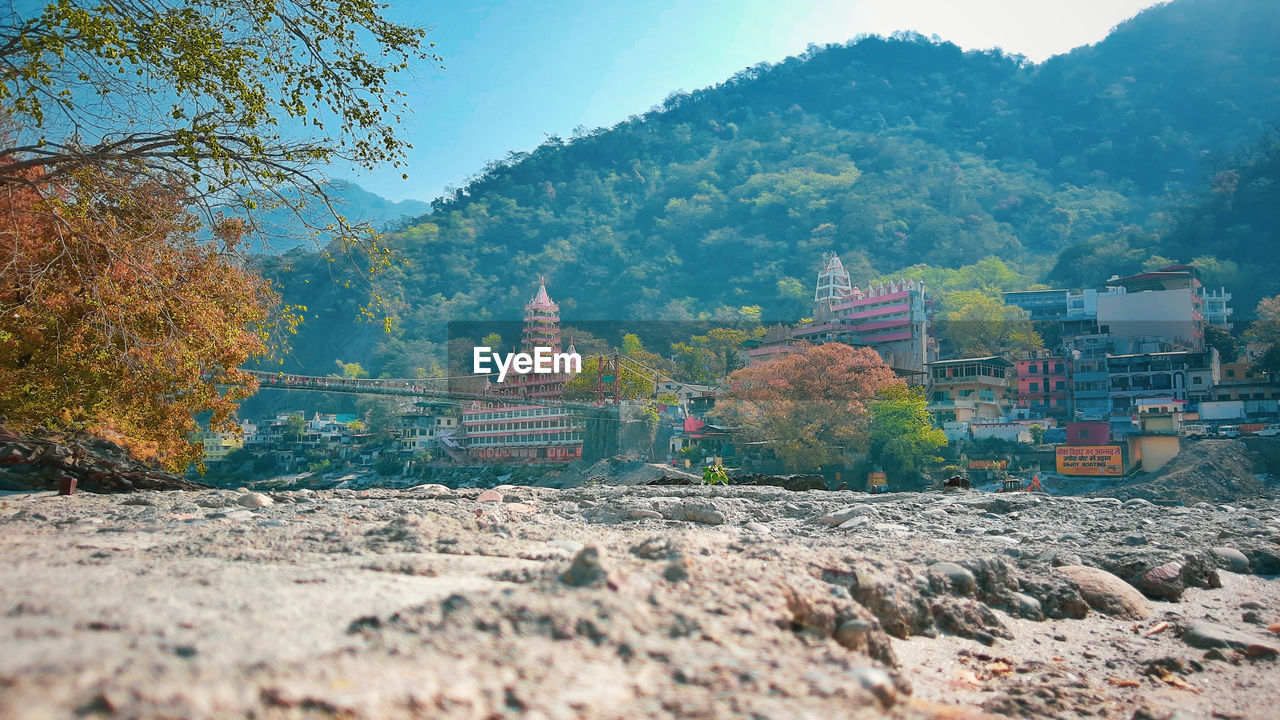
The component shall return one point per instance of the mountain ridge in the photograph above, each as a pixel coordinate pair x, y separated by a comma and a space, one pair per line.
893, 151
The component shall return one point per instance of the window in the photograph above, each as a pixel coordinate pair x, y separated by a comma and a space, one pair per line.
1034, 387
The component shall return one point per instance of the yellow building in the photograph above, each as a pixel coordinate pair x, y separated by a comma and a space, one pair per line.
217, 445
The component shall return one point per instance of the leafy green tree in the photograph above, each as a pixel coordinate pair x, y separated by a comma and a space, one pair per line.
265, 463
350, 371
1221, 338
903, 439
388, 465
295, 427
981, 325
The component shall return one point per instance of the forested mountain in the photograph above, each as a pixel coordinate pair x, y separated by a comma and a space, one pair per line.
893, 152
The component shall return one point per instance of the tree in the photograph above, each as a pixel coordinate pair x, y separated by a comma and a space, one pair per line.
809, 407
351, 371
295, 426
978, 324
1269, 362
1220, 338
128, 125
387, 465
1266, 326
242, 100
115, 319
634, 384
902, 436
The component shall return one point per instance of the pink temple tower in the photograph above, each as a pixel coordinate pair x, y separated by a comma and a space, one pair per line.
541, 321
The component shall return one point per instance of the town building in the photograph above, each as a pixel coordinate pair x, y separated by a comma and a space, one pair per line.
1216, 307
423, 432
1257, 391
1184, 377
1041, 305
969, 390
217, 445
518, 433
520, 430
891, 319
1042, 385
1154, 311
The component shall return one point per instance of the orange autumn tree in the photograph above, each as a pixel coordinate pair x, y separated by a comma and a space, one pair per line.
116, 319
809, 406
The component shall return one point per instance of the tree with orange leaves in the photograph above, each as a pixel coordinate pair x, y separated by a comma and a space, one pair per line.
809, 406
115, 319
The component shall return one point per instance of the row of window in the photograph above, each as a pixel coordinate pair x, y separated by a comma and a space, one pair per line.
1057, 385
511, 414
1035, 369
557, 424
525, 439
968, 371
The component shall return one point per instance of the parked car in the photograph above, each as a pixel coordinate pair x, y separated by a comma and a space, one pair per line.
1229, 431
1195, 431
1269, 430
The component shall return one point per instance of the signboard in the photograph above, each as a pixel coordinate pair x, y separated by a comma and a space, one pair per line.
1250, 428
1090, 460
988, 464
877, 478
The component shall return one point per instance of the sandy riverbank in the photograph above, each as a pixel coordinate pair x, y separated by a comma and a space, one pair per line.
695, 602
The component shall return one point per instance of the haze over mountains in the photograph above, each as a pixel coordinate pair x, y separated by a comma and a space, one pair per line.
1150, 145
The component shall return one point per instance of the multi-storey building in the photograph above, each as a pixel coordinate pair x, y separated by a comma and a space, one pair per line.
422, 432
891, 319
1154, 311
1217, 307
524, 431
1184, 377
1041, 305
969, 389
516, 433
1042, 386
1260, 391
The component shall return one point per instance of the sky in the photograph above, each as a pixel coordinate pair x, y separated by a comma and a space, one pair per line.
515, 72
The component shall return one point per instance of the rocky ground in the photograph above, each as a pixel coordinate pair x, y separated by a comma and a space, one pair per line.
633, 602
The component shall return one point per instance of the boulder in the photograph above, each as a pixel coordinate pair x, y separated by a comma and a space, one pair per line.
1107, 593
1231, 559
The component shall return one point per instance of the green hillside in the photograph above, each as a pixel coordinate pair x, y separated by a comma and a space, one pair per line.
892, 151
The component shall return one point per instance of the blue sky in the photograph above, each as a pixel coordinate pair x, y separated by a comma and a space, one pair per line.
516, 72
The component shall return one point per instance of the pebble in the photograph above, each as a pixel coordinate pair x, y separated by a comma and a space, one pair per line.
1205, 635
1135, 539
878, 683
959, 577
490, 496
756, 527
587, 569
641, 514
254, 500
839, 517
